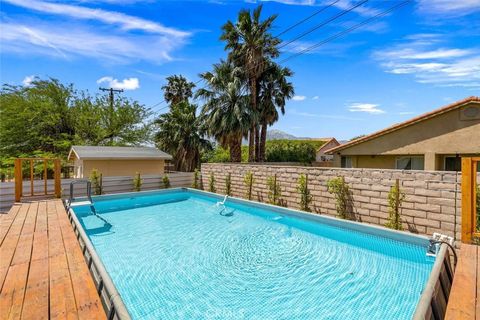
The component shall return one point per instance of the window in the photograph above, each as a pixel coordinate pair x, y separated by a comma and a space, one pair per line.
453, 163
346, 162
410, 163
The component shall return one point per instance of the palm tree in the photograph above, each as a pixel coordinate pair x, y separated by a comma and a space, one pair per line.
274, 91
181, 134
251, 43
177, 89
226, 112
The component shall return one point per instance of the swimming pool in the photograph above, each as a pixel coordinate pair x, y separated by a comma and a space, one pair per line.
175, 254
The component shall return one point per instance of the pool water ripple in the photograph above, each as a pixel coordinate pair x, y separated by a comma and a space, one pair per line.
183, 260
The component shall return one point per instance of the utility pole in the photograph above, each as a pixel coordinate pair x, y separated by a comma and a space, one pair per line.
111, 109
111, 94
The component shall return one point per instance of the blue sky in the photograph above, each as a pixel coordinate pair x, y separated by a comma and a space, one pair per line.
417, 58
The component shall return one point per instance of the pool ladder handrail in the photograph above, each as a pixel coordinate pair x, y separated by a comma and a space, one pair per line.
89, 190
89, 197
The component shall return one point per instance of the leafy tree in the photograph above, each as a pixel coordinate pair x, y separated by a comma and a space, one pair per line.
274, 91
178, 89
181, 134
36, 118
97, 123
47, 117
251, 43
196, 179
226, 112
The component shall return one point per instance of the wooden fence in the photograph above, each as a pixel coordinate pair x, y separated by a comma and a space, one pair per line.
110, 185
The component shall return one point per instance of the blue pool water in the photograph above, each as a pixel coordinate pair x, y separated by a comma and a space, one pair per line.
173, 256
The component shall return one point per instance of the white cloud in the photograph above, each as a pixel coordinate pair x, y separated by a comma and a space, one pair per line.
315, 98
448, 8
429, 61
125, 84
320, 115
27, 81
67, 41
298, 98
126, 22
341, 4
365, 107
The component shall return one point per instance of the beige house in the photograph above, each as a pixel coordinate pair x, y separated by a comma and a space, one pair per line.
117, 161
432, 141
321, 155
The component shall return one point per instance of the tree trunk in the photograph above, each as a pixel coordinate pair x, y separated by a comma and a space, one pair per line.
251, 144
236, 149
263, 141
257, 143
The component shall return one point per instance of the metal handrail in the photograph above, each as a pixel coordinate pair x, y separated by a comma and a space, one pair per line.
89, 190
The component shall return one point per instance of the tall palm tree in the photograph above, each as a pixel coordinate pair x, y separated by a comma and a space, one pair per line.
275, 89
181, 134
226, 112
177, 89
251, 43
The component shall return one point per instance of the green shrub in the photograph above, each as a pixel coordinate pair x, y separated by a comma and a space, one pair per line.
228, 185
196, 178
274, 191
339, 189
97, 181
137, 182
303, 151
166, 182
248, 180
305, 195
211, 183
395, 198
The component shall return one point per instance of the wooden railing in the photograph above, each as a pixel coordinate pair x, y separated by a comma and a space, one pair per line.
19, 177
469, 199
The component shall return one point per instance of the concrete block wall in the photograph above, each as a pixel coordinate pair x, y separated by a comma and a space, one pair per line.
432, 198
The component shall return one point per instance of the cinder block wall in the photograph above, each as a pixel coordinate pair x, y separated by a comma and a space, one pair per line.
432, 202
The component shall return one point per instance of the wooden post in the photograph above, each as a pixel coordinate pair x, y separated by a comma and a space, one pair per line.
18, 179
57, 168
31, 177
468, 205
45, 175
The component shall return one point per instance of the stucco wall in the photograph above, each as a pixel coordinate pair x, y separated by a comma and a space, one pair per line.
432, 197
123, 167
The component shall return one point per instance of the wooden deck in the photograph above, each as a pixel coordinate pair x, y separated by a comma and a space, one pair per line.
43, 274
465, 295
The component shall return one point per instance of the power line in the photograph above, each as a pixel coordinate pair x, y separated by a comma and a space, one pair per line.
324, 23
307, 18
346, 31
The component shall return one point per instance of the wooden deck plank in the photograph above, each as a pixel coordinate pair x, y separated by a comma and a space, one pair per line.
36, 302
86, 297
7, 249
62, 299
462, 300
42, 270
6, 221
11, 297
